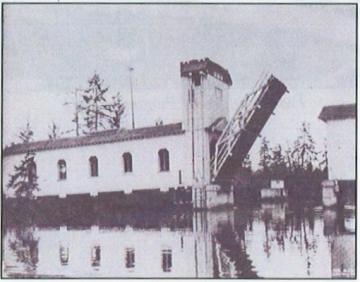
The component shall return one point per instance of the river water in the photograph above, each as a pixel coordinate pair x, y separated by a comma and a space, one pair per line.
269, 240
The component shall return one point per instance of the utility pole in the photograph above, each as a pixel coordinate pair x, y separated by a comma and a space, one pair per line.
77, 112
132, 99
77, 109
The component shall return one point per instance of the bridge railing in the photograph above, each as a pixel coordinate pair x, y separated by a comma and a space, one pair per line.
232, 132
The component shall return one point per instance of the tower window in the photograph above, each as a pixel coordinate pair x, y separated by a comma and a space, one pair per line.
196, 79
218, 93
62, 169
218, 75
164, 160
94, 170
127, 162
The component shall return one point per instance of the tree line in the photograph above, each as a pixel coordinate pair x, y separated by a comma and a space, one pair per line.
301, 165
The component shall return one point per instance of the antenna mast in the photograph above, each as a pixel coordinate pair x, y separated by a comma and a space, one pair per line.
132, 99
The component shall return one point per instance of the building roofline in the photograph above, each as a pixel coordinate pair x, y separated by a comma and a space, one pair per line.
101, 137
338, 112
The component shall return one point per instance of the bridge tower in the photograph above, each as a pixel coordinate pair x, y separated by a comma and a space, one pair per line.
205, 105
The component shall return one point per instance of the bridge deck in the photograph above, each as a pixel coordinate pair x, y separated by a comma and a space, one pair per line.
274, 89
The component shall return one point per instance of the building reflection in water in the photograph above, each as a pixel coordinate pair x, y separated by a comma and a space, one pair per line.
270, 241
95, 256
166, 260
339, 227
64, 254
130, 258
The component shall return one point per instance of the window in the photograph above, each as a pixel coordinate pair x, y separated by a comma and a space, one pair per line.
130, 258
218, 93
166, 260
94, 171
164, 160
32, 171
62, 169
127, 162
218, 75
196, 78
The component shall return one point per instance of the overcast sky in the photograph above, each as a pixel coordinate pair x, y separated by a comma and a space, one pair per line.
49, 50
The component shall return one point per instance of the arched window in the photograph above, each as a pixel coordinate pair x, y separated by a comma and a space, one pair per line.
164, 160
94, 171
32, 171
127, 162
62, 169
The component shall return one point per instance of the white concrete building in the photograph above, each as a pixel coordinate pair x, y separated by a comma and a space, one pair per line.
340, 121
163, 156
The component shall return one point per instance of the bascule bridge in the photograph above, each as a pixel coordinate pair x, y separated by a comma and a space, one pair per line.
219, 143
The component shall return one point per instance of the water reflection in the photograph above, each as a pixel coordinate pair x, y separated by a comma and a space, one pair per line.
130, 258
24, 246
272, 240
95, 257
166, 260
64, 254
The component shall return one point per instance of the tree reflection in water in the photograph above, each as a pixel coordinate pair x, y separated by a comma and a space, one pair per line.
25, 247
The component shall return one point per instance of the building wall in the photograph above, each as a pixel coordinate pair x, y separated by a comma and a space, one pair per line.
146, 172
341, 149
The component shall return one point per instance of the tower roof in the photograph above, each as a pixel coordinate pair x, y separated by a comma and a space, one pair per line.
207, 66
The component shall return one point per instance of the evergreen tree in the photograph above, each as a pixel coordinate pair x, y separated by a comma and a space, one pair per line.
288, 159
304, 153
265, 157
115, 111
54, 131
246, 164
92, 104
26, 134
278, 166
24, 179
323, 164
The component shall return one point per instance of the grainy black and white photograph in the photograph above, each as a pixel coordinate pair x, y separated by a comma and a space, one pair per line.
163, 140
